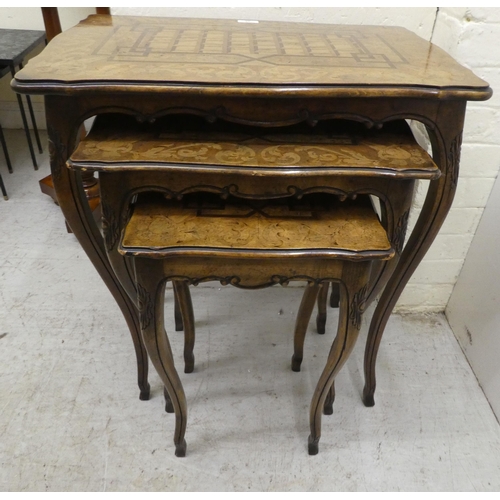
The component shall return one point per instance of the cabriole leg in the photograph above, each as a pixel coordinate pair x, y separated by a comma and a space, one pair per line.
186, 309
151, 294
352, 300
303, 317
322, 299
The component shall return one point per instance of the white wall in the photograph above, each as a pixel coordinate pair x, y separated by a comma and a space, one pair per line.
471, 35
474, 308
30, 18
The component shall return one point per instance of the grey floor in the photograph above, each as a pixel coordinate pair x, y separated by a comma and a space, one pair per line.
71, 418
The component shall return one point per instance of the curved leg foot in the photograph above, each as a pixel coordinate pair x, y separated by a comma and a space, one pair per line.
186, 308
180, 449
145, 393
321, 317
330, 399
303, 317
296, 362
321, 323
335, 296
169, 407
313, 445
189, 364
368, 397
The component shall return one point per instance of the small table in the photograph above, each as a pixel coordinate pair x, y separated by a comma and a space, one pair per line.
256, 73
14, 46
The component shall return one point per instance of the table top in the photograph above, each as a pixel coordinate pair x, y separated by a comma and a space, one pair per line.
127, 53
16, 44
335, 147
317, 225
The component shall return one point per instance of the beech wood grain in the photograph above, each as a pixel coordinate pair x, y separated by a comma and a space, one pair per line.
128, 51
332, 147
271, 229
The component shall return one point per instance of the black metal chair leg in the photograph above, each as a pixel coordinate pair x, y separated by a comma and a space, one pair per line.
25, 123
5, 151
2, 188
33, 121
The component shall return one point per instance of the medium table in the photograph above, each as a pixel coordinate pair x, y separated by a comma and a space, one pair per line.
256, 73
15, 45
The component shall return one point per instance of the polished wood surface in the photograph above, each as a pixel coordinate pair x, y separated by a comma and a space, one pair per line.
131, 66
314, 226
125, 51
333, 147
121, 182
253, 268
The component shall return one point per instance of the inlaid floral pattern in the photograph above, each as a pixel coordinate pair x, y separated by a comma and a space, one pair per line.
392, 152
276, 225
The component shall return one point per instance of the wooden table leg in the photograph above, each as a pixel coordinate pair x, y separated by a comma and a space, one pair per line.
395, 212
322, 299
446, 137
395, 221
185, 306
303, 317
151, 295
352, 301
64, 123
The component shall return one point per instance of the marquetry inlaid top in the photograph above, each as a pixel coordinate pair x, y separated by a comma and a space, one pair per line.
128, 51
311, 226
117, 143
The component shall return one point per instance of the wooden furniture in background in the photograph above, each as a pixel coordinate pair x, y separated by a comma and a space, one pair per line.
262, 74
53, 28
53, 24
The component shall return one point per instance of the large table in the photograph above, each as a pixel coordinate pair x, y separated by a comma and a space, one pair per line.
257, 73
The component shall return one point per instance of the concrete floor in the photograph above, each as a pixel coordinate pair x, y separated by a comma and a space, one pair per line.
71, 419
